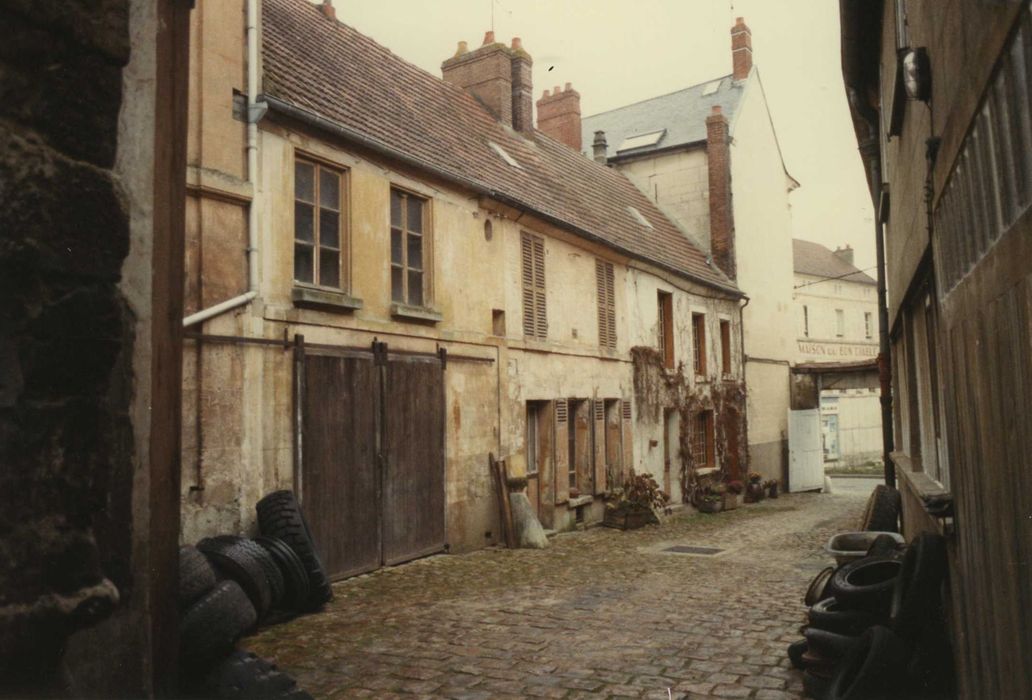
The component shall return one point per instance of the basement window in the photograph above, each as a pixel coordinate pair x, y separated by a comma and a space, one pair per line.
505, 156
637, 216
641, 141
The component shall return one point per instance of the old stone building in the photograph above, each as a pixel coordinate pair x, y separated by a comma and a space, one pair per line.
837, 325
708, 156
942, 107
391, 276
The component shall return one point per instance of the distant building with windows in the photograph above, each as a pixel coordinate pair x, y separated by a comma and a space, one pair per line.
837, 323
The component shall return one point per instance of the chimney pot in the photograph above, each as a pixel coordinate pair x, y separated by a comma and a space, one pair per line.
717, 109
517, 43
568, 86
463, 48
599, 147
489, 37
546, 93
328, 10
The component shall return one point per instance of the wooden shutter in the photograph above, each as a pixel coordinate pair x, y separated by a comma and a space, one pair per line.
562, 452
535, 315
600, 447
628, 440
604, 281
540, 309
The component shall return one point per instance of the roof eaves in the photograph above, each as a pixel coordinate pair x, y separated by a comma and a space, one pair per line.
348, 134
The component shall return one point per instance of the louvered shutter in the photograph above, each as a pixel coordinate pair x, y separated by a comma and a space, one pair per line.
562, 452
527, 255
628, 440
600, 447
540, 309
606, 304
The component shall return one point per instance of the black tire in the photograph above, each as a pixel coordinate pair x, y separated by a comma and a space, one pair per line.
917, 595
866, 584
830, 645
279, 515
244, 676
272, 570
196, 577
831, 615
816, 684
235, 560
883, 546
212, 625
295, 578
815, 592
874, 669
795, 653
883, 509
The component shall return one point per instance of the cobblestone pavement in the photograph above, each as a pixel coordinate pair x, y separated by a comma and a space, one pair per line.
600, 613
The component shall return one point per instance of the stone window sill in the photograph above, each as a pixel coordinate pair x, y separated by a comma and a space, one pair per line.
324, 300
923, 487
423, 314
580, 501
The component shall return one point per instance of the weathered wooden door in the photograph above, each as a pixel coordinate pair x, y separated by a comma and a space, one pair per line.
371, 456
805, 454
339, 477
413, 450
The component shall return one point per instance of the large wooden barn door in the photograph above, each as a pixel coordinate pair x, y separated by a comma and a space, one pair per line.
413, 440
339, 478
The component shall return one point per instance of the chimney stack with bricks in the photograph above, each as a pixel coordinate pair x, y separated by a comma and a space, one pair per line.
559, 116
722, 222
498, 76
741, 49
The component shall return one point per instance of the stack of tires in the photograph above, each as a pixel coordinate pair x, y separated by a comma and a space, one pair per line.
228, 585
876, 625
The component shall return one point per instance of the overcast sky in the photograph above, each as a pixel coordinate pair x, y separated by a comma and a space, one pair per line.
616, 52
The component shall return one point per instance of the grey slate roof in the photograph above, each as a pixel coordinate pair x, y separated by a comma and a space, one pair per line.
682, 113
811, 258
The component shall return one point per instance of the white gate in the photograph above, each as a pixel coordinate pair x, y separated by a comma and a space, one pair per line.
805, 453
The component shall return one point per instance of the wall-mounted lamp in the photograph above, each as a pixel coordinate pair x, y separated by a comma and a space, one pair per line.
917, 74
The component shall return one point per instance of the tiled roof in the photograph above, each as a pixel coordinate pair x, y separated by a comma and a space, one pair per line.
331, 71
681, 114
814, 259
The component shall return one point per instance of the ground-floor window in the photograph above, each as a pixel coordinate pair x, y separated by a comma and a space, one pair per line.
702, 440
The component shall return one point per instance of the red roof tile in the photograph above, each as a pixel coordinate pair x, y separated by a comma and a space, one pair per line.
331, 71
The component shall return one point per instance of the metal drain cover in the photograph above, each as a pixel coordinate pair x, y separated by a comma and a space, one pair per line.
692, 549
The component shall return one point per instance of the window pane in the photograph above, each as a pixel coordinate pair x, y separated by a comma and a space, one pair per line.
415, 288
304, 181
396, 251
329, 228
304, 226
397, 284
329, 268
415, 252
329, 189
396, 204
415, 215
303, 263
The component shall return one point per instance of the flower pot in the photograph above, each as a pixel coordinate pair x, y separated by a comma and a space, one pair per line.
754, 492
772, 490
711, 506
623, 518
730, 501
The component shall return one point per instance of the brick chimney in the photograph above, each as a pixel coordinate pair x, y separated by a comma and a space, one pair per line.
741, 49
722, 223
559, 116
845, 254
522, 88
486, 73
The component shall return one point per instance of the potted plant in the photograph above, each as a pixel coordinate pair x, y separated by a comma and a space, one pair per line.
754, 492
771, 487
711, 503
634, 505
733, 490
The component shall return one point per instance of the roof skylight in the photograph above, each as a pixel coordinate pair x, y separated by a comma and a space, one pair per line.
638, 217
505, 156
641, 140
711, 88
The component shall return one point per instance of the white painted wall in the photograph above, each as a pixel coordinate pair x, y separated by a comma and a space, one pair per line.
822, 299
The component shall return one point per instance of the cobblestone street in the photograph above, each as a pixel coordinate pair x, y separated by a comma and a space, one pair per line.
601, 613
